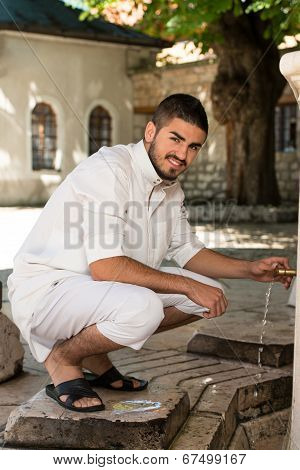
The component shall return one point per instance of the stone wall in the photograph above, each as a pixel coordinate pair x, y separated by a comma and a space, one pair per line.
206, 178
287, 170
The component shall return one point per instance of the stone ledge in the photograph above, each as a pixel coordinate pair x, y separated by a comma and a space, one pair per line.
273, 355
219, 395
265, 433
223, 407
41, 423
213, 210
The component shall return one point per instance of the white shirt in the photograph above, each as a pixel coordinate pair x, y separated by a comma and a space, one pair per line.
112, 204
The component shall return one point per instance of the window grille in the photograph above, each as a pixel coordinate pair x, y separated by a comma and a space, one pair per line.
43, 128
286, 127
99, 129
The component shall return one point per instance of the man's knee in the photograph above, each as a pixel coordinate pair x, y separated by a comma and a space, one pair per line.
143, 312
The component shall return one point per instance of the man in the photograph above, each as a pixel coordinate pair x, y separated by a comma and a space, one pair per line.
88, 280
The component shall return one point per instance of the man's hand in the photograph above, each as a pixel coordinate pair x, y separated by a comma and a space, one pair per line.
211, 297
263, 270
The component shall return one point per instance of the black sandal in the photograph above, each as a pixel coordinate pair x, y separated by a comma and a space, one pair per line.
112, 375
76, 389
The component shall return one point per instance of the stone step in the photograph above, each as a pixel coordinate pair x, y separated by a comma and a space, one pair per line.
264, 433
274, 354
218, 393
228, 402
237, 334
147, 420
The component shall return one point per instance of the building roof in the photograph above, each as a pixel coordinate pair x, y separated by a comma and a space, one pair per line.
54, 18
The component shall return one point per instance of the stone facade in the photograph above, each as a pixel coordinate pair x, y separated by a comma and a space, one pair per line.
72, 76
206, 179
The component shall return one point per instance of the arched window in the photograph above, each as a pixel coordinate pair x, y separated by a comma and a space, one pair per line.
99, 129
43, 128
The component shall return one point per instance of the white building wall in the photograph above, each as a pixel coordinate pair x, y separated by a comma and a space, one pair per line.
72, 76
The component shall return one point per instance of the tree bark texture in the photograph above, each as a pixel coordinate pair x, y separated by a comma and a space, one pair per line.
245, 91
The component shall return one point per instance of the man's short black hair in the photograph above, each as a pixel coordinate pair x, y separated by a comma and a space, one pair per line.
182, 106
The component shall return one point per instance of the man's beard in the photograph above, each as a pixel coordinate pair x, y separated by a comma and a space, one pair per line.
171, 175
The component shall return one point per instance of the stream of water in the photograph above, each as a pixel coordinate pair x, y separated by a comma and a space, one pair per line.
263, 330
264, 322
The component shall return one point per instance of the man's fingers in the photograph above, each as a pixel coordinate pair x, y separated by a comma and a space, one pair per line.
218, 308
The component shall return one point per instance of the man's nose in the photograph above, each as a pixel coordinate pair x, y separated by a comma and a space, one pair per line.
182, 152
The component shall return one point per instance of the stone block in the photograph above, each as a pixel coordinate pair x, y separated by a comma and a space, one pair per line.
11, 350
294, 176
221, 401
149, 420
189, 185
208, 193
275, 355
201, 431
239, 440
271, 392
268, 432
295, 166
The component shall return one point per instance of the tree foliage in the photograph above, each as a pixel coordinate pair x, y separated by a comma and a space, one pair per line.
196, 19
244, 35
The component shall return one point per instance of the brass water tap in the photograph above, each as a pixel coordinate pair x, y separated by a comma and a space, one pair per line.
285, 272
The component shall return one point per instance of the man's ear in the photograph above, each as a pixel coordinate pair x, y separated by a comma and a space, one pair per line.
150, 131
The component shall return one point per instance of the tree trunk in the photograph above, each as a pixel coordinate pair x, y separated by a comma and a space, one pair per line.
244, 94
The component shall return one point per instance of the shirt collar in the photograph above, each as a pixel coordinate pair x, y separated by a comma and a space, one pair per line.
141, 158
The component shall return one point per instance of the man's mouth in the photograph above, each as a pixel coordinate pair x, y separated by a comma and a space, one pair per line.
174, 163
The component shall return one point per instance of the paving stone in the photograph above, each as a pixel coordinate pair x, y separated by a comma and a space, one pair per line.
201, 432
21, 388
146, 355
4, 414
239, 440
153, 372
130, 354
268, 432
149, 420
11, 350
158, 363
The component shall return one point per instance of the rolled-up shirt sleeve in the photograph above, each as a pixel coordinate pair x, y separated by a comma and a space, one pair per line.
184, 244
102, 196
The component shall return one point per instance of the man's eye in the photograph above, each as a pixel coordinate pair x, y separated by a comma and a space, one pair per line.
175, 139
195, 147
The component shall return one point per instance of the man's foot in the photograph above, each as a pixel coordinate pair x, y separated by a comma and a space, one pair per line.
99, 365
74, 389
113, 376
60, 371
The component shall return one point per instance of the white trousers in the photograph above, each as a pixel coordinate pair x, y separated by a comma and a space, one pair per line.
124, 313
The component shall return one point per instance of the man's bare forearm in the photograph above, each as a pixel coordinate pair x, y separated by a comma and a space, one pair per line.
212, 264
124, 269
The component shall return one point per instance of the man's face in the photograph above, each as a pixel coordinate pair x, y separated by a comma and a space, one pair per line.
174, 147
